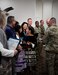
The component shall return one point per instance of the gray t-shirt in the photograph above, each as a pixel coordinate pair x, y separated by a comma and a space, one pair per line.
3, 39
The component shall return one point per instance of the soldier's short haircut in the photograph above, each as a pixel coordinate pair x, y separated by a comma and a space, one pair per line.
41, 21
29, 19
10, 19
54, 19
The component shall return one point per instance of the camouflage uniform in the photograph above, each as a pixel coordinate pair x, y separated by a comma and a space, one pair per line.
39, 42
38, 31
42, 30
51, 40
38, 50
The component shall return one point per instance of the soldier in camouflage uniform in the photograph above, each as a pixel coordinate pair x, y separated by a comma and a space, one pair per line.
39, 49
48, 24
51, 48
42, 28
37, 30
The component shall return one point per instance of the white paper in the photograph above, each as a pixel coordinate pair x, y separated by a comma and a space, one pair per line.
12, 43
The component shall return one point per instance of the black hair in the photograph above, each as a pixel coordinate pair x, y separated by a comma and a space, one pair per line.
29, 19
36, 22
17, 27
54, 19
41, 21
23, 25
10, 19
32, 29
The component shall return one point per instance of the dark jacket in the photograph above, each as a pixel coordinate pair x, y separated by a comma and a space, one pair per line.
10, 32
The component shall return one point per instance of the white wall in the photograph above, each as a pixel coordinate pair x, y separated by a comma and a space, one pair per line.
39, 10
44, 9
36, 9
55, 9
23, 9
47, 10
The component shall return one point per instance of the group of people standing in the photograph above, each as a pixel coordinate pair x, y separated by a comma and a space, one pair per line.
14, 61
18, 61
